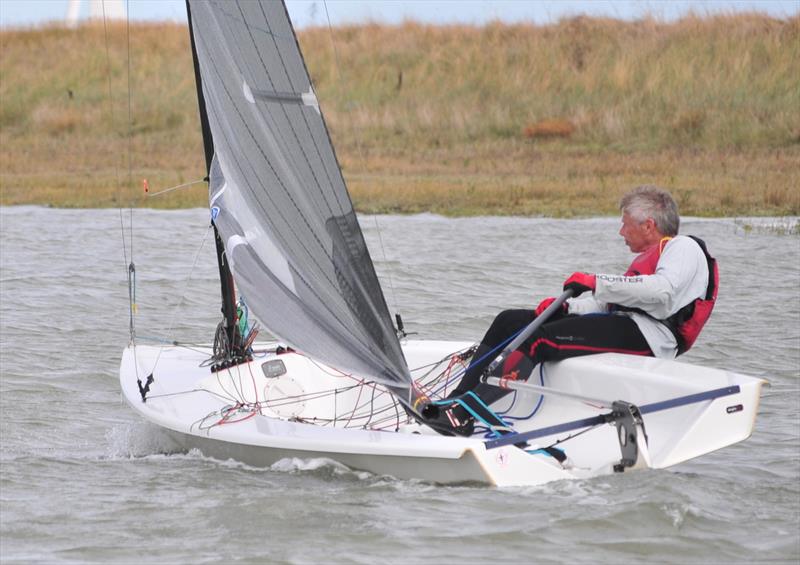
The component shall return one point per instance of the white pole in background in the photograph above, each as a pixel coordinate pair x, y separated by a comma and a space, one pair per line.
111, 9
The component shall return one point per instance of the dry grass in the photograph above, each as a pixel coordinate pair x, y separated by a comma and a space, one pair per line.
554, 120
537, 183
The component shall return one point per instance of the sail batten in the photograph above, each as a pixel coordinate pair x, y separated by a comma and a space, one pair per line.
297, 253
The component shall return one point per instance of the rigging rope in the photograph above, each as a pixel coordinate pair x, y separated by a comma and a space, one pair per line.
361, 415
130, 269
129, 266
111, 120
184, 185
183, 294
337, 68
130, 119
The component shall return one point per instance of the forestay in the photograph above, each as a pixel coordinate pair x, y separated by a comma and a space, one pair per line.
278, 197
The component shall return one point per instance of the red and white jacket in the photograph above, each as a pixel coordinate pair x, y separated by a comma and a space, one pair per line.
669, 290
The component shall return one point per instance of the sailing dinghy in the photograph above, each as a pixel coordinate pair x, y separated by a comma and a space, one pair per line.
343, 383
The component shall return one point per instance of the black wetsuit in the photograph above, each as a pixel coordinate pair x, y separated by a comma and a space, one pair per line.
561, 337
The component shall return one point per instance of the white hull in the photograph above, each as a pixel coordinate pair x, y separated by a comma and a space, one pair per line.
187, 399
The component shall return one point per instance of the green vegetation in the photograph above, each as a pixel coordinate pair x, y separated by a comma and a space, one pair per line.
500, 119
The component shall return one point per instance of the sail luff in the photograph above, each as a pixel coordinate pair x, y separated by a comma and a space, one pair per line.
287, 221
227, 290
208, 140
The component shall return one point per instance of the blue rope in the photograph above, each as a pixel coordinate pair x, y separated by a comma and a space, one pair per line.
538, 404
478, 417
489, 428
545, 452
482, 403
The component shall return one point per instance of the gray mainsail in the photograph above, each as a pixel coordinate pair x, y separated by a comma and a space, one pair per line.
278, 197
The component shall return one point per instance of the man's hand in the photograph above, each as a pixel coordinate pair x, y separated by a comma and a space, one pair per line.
547, 302
580, 283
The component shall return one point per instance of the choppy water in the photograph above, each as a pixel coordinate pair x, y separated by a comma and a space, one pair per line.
84, 480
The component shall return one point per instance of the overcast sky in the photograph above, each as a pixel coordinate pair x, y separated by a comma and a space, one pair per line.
305, 12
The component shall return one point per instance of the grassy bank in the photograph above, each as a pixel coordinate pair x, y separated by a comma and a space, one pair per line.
555, 120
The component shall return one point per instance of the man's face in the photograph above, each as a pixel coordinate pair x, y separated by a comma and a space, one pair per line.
638, 235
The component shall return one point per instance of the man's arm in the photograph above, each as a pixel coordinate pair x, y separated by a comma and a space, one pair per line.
586, 304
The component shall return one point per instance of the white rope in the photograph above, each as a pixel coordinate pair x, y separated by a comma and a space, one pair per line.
337, 67
184, 185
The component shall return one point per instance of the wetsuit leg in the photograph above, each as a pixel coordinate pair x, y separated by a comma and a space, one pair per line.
506, 324
570, 336
573, 336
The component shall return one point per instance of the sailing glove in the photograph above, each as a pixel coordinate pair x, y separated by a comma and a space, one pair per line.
580, 283
547, 302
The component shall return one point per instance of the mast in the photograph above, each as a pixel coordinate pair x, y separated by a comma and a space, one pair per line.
235, 351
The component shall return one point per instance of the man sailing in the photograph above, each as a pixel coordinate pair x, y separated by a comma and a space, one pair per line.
657, 308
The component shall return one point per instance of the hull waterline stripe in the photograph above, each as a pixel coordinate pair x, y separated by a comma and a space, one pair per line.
605, 418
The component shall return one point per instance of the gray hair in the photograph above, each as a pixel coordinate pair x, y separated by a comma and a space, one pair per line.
649, 201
